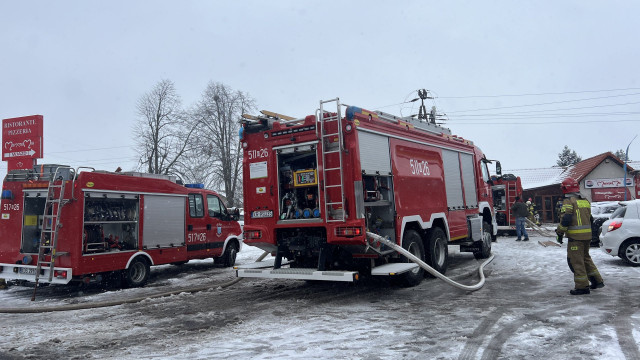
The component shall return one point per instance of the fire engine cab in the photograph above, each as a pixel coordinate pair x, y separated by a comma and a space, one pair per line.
60, 224
315, 186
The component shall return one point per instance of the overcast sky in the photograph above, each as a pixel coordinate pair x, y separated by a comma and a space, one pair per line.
521, 79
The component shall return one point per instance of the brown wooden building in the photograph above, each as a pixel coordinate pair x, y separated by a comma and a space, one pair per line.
600, 177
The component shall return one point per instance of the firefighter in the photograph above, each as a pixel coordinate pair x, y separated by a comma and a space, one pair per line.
575, 222
532, 212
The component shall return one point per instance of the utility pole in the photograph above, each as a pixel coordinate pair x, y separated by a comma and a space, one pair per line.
624, 168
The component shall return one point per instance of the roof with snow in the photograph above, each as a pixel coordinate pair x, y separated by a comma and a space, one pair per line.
536, 178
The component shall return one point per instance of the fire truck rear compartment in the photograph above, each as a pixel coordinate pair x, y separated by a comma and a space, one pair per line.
298, 183
32, 221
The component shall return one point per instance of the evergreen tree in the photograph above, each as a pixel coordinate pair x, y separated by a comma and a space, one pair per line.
568, 157
621, 155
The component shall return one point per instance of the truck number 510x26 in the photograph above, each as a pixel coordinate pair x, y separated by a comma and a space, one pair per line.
419, 167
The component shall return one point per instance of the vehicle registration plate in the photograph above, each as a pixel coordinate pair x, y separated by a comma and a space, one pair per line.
27, 271
262, 214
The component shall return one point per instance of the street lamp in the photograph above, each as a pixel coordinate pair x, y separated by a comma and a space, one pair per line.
624, 168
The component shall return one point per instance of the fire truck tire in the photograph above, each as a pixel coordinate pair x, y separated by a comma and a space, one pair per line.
228, 259
137, 274
412, 242
437, 250
484, 244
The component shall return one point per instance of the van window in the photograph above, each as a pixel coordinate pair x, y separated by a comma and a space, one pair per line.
196, 206
215, 206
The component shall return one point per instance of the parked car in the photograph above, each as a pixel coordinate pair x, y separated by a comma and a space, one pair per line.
620, 235
601, 212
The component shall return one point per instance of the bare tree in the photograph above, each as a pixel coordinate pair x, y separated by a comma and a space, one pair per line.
216, 158
161, 131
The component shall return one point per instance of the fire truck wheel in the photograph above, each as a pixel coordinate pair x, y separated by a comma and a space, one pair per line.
412, 242
228, 259
437, 251
137, 274
484, 244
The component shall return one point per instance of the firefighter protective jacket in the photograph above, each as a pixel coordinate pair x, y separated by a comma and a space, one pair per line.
575, 218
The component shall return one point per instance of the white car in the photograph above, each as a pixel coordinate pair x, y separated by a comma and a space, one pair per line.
620, 234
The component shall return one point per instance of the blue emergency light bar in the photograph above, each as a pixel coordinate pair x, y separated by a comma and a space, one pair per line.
194, 186
352, 111
7, 194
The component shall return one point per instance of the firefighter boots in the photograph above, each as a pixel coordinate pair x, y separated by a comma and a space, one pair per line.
594, 284
580, 291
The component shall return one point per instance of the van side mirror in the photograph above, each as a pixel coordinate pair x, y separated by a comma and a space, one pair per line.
234, 213
498, 168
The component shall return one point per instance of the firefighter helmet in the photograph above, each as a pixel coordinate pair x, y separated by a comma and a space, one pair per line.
569, 185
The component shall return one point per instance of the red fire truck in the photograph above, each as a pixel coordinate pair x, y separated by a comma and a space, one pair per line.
314, 187
505, 188
60, 225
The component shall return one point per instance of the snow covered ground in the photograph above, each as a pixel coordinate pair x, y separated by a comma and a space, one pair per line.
524, 311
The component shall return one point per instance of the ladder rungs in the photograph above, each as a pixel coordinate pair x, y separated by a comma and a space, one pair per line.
333, 203
332, 134
332, 151
330, 169
332, 186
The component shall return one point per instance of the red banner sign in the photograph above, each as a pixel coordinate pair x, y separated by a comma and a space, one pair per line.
22, 141
609, 194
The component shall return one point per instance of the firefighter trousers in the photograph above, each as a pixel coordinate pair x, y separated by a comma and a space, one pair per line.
581, 264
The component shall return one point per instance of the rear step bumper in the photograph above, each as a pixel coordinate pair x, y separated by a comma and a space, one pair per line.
299, 274
264, 269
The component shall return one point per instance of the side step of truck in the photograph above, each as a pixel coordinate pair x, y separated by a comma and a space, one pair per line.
265, 270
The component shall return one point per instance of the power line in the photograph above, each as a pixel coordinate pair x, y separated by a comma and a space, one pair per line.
545, 116
551, 110
95, 149
544, 122
547, 103
533, 94
529, 94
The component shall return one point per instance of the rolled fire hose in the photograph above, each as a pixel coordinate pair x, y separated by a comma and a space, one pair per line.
431, 270
120, 302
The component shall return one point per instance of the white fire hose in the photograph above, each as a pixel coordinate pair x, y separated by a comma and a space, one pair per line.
431, 270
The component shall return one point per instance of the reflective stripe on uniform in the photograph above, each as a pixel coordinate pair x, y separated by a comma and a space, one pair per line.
578, 229
584, 204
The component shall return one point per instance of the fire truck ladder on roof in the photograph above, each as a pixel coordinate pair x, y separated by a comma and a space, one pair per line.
50, 227
333, 177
